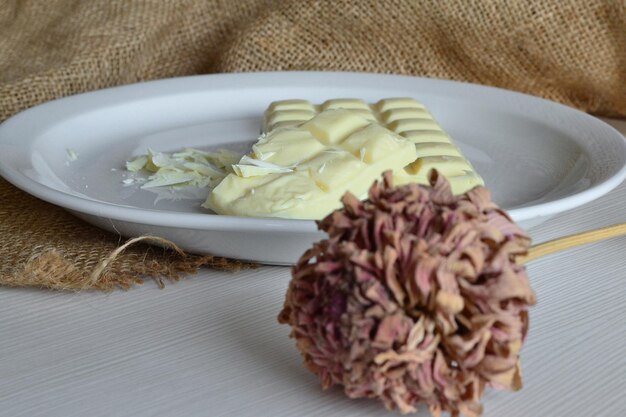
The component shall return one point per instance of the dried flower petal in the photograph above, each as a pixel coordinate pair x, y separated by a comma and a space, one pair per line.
415, 297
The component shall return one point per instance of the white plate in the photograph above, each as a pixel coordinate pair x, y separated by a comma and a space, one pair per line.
539, 158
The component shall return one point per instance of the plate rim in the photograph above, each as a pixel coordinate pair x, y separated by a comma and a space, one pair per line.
201, 221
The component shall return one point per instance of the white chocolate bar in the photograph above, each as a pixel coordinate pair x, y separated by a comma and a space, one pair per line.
303, 171
403, 116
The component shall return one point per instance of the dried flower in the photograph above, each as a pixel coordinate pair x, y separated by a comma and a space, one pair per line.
415, 297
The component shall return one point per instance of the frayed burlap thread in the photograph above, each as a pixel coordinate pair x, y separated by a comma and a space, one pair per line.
44, 246
569, 51
52, 270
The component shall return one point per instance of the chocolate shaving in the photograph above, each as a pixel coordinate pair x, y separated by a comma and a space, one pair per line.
414, 298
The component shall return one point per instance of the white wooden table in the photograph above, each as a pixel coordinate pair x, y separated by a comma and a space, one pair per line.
211, 345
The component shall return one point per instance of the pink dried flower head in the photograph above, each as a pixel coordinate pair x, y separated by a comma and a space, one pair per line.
415, 297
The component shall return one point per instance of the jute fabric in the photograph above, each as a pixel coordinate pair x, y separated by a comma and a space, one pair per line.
573, 52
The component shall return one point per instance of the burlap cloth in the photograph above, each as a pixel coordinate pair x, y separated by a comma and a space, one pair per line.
570, 51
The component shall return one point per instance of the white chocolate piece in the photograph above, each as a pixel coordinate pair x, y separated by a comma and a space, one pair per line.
426, 135
345, 103
397, 103
404, 125
303, 171
371, 144
332, 127
456, 169
446, 165
437, 149
458, 183
403, 116
280, 150
404, 113
294, 104
289, 116
287, 112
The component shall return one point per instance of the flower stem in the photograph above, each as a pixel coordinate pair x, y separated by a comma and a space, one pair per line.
557, 245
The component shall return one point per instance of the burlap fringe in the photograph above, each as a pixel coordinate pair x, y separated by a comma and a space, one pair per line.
51, 270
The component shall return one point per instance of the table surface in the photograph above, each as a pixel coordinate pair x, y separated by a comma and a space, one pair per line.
211, 346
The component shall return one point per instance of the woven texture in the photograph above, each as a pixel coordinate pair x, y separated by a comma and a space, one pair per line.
572, 52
